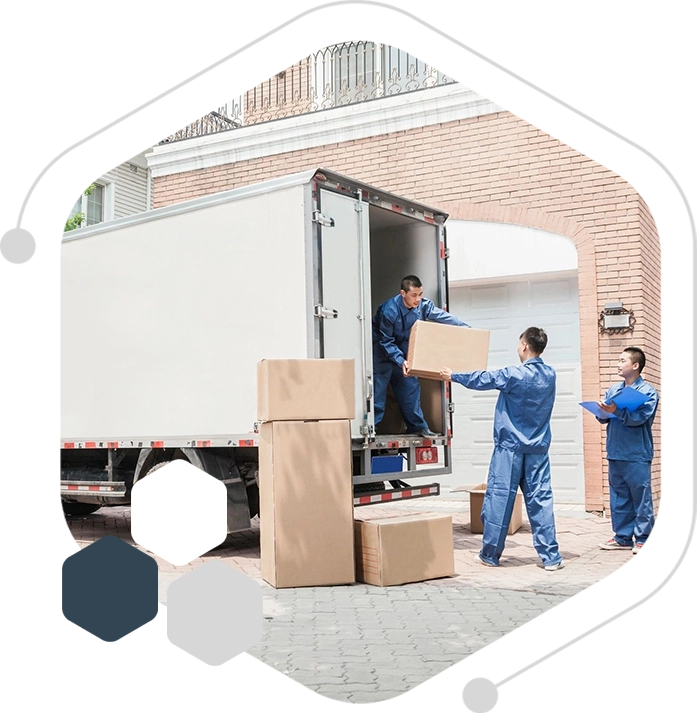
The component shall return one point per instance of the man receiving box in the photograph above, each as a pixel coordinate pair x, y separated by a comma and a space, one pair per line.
391, 326
522, 436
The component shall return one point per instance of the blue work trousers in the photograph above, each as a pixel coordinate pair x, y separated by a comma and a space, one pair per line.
508, 471
631, 504
406, 390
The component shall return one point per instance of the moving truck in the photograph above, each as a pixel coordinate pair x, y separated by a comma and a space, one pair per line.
166, 314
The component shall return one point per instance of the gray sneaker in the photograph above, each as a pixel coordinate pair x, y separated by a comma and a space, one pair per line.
555, 567
612, 544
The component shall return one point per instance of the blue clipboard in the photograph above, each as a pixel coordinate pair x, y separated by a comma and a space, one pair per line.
593, 407
630, 399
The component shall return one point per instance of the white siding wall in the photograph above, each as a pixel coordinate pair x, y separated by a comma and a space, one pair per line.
131, 190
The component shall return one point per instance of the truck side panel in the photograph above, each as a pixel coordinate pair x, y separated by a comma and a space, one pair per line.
163, 322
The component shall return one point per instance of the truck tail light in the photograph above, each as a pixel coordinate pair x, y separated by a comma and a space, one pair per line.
426, 456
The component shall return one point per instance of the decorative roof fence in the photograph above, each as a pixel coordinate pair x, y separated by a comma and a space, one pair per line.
335, 76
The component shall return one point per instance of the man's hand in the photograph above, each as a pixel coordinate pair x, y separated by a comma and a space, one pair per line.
446, 374
608, 408
405, 368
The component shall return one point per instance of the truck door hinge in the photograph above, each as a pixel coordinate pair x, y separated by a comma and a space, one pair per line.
325, 313
446, 253
451, 407
322, 219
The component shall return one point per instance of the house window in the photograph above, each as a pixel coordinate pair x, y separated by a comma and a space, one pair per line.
92, 206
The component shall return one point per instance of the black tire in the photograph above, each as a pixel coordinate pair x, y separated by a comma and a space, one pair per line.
368, 487
77, 509
253, 500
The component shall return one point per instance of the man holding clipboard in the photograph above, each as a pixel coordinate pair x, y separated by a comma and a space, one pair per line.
629, 410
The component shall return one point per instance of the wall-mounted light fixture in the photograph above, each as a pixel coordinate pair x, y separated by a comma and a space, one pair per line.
616, 319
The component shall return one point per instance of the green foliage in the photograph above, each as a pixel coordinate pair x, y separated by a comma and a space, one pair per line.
78, 219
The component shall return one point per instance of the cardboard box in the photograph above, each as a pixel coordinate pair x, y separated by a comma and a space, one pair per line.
306, 503
477, 500
306, 389
433, 346
408, 548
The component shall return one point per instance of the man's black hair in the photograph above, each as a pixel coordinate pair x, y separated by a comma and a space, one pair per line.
637, 356
410, 281
535, 338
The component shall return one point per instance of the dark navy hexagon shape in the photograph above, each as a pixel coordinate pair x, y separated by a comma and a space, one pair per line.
110, 588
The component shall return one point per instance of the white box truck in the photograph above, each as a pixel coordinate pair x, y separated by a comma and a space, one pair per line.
166, 314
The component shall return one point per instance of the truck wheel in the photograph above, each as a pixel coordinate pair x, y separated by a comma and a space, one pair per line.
77, 509
253, 499
368, 487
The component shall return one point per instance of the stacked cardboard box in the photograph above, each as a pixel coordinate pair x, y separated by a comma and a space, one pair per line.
305, 482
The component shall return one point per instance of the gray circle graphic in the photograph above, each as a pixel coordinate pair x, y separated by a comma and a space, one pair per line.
480, 695
17, 245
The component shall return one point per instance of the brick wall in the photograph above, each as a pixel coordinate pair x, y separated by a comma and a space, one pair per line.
498, 167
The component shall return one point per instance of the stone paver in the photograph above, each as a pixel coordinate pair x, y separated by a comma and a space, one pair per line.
361, 643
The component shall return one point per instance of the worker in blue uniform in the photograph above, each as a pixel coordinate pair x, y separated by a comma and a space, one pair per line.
392, 323
629, 447
522, 436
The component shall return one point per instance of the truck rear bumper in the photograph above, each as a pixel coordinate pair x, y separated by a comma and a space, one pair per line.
70, 489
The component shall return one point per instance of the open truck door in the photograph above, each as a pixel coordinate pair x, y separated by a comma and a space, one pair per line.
343, 307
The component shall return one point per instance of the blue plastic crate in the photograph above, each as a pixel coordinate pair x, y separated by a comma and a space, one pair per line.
387, 464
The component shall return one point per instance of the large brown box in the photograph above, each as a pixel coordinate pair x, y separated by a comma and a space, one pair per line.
477, 494
306, 389
407, 548
306, 503
434, 346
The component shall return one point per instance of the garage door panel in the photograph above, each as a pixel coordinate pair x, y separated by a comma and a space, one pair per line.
562, 344
565, 433
566, 473
490, 298
471, 471
568, 382
551, 292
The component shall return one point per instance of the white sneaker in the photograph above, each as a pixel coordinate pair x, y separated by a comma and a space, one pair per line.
555, 567
477, 558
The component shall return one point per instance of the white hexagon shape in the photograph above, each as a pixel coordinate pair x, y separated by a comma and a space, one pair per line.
178, 512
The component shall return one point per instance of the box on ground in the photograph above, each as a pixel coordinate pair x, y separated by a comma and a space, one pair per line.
477, 493
306, 503
434, 346
402, 549
306, 389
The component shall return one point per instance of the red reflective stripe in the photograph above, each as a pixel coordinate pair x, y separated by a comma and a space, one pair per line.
72, 487
427, 219
112, 444
68, 445
90, 444
157, 444
396, 208
246, 442
424, 491
393, 444
363, 500
203, 444
386, 496
442, 250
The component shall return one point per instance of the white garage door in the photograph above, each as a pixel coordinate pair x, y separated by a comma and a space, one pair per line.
507, 309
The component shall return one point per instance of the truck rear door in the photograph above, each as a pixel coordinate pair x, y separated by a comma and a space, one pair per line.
343, 305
